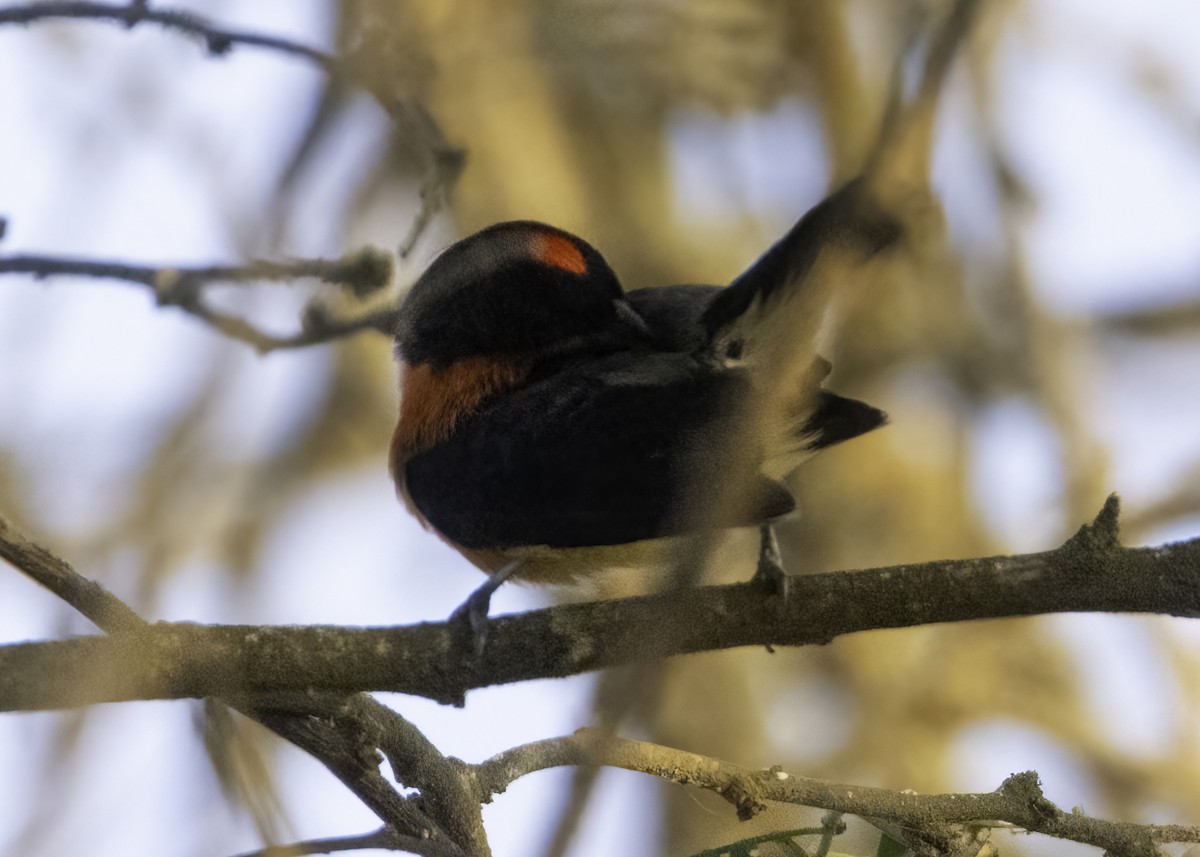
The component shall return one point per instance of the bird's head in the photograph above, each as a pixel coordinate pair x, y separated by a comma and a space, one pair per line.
488, 312
517, 289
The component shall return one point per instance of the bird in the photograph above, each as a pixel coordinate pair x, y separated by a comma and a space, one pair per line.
552, 424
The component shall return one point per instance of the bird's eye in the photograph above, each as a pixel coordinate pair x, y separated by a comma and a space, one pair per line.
733, 351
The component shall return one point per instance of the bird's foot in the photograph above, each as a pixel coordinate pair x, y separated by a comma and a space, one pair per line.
770, 574
469, 621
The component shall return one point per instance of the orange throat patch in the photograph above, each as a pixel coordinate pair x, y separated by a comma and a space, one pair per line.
434, 399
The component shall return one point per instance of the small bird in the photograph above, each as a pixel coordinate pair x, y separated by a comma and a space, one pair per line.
552, 424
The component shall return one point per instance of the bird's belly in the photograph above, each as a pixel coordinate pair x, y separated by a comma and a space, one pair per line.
542, 564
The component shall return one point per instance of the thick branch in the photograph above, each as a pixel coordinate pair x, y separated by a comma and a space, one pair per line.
341, 731
1019, 800
347, 731
363, 272
1091, 573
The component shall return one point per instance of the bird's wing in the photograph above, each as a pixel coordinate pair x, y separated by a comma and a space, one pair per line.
818, 417
673, 315
606, 451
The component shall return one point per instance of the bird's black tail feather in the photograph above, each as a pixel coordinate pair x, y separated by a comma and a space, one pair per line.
836, 418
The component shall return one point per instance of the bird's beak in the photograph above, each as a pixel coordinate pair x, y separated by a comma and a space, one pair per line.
629, 316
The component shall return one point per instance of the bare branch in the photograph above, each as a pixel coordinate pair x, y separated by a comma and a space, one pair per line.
217, 40
442, 162
1179, 318
362, 272
384, 839
1086, 572
340, 731
1091, 573
108, 612
333, 739
901, 159
362, 724
1018, 800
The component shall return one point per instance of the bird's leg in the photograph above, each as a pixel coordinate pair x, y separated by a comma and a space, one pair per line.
474, 611
770, 573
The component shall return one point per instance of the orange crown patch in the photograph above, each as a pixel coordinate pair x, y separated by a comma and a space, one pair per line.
558, 251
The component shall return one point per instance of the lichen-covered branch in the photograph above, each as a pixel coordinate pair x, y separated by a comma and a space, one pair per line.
1092, 572
1018, 801
342, 731
283, 678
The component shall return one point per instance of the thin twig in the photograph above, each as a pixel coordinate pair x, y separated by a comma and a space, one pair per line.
217, 40
443, 162
901, 159
1019, 799
384, 839
362, 272
1173, 319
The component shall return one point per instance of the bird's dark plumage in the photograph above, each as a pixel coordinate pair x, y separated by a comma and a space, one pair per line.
545, 409
604, 451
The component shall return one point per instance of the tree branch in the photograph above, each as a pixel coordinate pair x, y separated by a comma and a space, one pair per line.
217, 40
1090, 573
442, 162
1018, 800
89, 598
384, 839
362, 272
1177, 318
340, 731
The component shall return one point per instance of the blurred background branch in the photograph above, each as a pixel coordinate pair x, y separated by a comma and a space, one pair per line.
362, 273
217, 40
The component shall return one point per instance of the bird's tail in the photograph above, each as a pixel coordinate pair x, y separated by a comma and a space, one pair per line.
771, 314
768, 320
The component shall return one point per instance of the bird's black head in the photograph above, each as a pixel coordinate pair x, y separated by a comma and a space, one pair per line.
514, 288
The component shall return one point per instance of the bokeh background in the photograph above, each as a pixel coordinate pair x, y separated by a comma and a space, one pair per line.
1048, 356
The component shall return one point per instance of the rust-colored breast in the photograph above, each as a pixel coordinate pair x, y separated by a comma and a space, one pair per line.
433, 400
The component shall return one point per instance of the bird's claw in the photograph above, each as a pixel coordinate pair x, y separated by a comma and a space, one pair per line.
469, 621
770, 574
